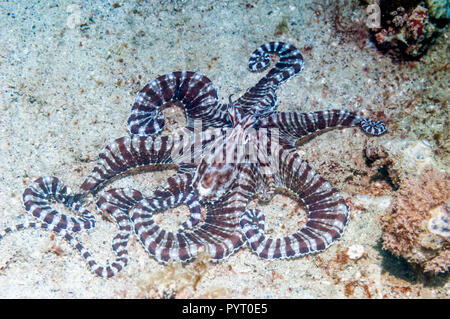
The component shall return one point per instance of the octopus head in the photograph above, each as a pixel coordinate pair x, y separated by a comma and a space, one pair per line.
214, 181
219, 170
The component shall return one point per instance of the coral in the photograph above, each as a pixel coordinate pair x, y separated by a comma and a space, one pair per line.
398, 158
406, 30
416, 226
439, 9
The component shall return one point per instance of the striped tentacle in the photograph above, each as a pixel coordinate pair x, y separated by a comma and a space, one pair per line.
119, 244
126, 153
19, 227
220, 229
262, 99
372, 127
117, 203
219, 234
165, 246
177, 183
295, 125
180, 183
289, 64
327, 217
104, 272
39, 196
194, 90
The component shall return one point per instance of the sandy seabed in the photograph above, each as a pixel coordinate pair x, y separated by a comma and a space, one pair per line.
69, 71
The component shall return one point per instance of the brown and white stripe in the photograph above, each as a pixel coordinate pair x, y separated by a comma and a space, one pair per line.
327, 217
221, 226
261, 99
180, 183
194, 90
39, 196
219, 234
163, 245
126, 153
295, 125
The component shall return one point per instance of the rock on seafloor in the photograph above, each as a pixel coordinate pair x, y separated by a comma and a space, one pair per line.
417, 225
408, 28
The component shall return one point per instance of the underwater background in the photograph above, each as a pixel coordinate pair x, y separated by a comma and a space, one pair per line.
69, 72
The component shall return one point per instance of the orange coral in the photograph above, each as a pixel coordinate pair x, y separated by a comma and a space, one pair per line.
406, 230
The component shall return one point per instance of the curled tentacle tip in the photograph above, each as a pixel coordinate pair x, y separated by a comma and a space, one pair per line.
259, 62
373, 127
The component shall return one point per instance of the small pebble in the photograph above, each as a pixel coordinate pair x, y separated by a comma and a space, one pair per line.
355, 252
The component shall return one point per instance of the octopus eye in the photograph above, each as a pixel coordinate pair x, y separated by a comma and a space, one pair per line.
207, 181
224, 179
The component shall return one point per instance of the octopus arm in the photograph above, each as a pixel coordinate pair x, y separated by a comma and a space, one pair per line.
195, 91
294, 125
126, 153
261, 98
327, 213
